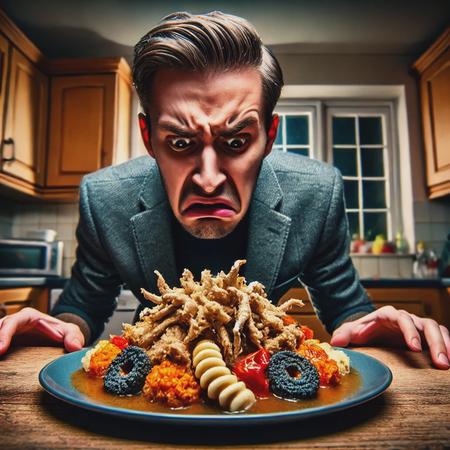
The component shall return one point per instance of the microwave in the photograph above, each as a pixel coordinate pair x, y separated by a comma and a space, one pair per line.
26, 257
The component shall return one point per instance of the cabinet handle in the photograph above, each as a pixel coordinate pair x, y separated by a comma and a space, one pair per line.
9, 141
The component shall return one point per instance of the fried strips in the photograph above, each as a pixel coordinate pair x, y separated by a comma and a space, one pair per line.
239, 317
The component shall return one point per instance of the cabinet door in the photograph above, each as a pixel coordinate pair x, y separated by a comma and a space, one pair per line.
82, 115
435, 91
4, 45
24, 139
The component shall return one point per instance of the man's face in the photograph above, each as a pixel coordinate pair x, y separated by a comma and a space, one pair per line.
208, 138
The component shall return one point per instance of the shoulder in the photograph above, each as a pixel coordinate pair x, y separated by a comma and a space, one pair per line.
117, 186
134, 169
290, 168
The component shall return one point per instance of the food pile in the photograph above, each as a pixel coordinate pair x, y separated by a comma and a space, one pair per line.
215, 340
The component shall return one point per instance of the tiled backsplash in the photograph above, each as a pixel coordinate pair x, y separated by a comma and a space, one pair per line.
384, 266
432, 224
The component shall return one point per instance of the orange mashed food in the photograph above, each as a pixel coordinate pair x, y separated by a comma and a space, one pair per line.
172, 385
102, 358
327, 367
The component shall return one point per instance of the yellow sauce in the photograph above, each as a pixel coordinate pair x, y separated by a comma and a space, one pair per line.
93, 389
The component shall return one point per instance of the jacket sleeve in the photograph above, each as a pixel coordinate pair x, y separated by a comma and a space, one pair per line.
94, 284
331, 278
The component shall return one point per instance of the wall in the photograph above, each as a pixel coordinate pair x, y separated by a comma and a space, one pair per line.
431, 218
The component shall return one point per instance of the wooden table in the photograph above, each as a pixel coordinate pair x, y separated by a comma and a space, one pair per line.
413, 412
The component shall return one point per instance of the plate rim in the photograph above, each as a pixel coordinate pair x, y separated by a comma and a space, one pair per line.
219, 419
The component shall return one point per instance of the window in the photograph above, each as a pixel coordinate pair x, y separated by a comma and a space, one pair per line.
359, 142
296, 130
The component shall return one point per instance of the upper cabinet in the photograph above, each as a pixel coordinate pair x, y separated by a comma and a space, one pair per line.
59, 119
434, 69
24, 137
90, 118
4, 64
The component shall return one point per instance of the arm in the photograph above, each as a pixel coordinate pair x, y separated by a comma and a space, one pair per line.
89, 298
86, 302
330, 277
343, 305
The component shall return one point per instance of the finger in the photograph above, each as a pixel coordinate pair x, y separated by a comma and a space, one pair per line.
8, 328
73, 338
435, 340
53, 330
341, 336
409, 331
446, 336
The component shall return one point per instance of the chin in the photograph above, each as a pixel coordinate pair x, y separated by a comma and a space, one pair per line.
210, 229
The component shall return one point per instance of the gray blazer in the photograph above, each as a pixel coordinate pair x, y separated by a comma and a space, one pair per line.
298, 231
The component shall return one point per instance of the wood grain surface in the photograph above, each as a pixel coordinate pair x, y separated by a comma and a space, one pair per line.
413, 413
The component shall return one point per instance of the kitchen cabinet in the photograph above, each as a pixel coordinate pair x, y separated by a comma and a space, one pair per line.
4, 60
13, 300
62, 118
425, 302
24, 137
434, 70
89, 117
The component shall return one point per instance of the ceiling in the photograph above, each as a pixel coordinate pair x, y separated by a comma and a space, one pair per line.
109, 28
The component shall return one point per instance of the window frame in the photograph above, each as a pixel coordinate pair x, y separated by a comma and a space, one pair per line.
321, 112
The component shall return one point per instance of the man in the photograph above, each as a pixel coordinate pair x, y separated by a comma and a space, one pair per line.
211, 194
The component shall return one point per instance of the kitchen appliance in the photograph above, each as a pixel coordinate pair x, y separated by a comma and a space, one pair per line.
30, 257
127, 304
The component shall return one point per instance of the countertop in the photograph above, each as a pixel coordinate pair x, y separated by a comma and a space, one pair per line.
57, 282
412, 413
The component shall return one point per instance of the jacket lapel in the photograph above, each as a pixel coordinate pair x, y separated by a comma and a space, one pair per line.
268, 230
152, 232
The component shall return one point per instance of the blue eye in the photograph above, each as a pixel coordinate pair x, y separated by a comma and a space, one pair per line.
180, 144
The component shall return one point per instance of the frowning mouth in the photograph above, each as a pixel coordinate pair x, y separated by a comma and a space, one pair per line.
213, 208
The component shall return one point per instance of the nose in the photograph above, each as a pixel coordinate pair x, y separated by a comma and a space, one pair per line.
209, 175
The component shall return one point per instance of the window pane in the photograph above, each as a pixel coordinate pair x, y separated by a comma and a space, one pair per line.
353, 223
351, 194
344, 130
370, 130
372, 162
374, 194
374, 224
299, 151
279, 138
297, 130
345, 160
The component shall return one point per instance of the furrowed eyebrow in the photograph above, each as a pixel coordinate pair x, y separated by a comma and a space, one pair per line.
224, 133
239, 127
177, 130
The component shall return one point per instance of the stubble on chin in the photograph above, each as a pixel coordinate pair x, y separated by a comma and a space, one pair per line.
209, 229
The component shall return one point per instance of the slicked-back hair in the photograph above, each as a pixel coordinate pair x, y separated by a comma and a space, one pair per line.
212, 42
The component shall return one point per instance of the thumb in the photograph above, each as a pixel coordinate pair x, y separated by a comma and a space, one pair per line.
73, 338
341, 336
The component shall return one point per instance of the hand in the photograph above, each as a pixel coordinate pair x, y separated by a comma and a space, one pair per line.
34, 324
388, 325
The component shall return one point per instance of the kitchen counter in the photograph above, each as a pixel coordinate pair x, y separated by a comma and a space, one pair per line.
45, 282
412, 413
57, 282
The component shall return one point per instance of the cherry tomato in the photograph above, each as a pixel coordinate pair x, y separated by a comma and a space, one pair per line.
251, 369
119, 341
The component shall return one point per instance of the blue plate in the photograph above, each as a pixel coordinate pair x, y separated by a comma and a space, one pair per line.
55, 378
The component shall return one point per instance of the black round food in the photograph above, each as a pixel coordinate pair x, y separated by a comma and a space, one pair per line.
282, 373
126, 374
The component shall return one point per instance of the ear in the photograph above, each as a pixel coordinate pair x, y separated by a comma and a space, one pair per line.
272, 134
144, 125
